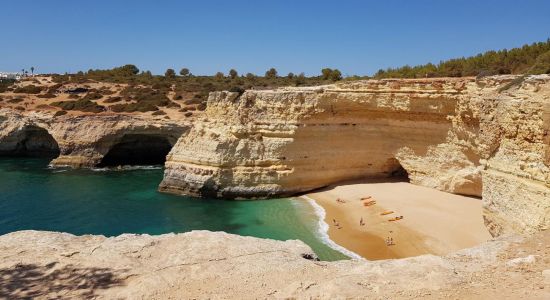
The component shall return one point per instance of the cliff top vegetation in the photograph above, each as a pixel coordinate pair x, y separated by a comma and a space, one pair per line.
529, 59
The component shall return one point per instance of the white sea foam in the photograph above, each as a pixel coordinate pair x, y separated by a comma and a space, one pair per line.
322, 230
127, 168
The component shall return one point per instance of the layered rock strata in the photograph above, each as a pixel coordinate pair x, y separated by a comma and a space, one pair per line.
485, 137
78, 141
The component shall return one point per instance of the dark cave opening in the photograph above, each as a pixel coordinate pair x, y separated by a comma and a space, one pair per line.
137, 149
34, 142
397, 171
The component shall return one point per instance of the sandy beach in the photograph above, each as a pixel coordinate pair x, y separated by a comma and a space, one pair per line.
433, 222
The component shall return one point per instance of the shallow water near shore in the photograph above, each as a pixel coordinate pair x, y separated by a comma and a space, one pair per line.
112, 202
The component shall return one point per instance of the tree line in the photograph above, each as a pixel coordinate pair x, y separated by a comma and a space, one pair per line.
529, 59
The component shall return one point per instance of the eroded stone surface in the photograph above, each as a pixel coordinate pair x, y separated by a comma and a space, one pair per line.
466, 136
459, 135
82, 140
215, 265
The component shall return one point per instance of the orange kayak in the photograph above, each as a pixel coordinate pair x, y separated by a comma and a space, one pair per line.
387, 212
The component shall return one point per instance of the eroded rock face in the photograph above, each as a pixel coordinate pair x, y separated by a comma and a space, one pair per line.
455, 135
291, 140
473, 137
515, 128
81, 141
217, 265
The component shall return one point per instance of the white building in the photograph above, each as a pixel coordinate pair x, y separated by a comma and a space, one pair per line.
8, 75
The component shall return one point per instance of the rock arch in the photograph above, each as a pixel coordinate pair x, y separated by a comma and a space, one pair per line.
30, 140
137, 149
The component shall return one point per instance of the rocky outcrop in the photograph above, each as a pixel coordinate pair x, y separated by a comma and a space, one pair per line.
78, 141
215, 265
466, 136
487, 138
515, 128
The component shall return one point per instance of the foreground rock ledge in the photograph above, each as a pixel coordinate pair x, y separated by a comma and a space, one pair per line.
204, 264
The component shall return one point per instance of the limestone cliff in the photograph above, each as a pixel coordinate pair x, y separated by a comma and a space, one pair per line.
486, 137
78, 141
515, 129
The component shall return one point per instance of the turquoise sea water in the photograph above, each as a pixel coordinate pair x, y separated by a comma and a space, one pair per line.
111, 202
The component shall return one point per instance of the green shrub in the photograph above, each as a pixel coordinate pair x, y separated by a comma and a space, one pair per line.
134, 107
16, 100
46, 96
60, 113
105, 91
173, 105
194, 100
5, 84
237, 89
92, 96
147, 99
542, 64
53, 89
161, 85
80, 105
29, 89
113, 99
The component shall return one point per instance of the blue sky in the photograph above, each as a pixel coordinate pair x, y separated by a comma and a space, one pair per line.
358, 37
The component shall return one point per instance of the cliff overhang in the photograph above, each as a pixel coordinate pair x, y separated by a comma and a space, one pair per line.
484, 137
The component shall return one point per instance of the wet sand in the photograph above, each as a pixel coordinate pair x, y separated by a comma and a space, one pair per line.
434, 222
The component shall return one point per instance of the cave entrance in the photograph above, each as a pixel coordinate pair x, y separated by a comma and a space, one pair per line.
35, 142
396, 171
137, 149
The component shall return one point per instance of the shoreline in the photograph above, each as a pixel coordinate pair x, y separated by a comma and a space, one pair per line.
323, 228
434, 222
